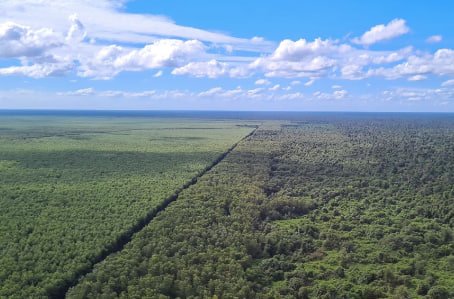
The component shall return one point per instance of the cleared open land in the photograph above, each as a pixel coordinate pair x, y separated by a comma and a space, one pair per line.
71, 188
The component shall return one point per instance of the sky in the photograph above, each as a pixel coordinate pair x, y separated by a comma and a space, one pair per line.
287, 55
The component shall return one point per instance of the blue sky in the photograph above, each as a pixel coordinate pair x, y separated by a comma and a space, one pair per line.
227, 55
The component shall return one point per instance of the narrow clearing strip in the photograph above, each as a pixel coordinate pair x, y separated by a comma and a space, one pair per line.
127, 236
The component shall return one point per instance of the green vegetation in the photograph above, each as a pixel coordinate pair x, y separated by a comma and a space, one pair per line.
348, 207
70, 187
324, 206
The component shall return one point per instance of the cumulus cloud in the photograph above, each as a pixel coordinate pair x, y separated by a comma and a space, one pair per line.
107, 21
240, 93
22, 41
324, 58
162, 53
84, 92
275, 87
107, 41
420, 94
80, 92
211, 92
299, 58
36, 49
448, 83
140, 94
38, 70
358, 63
309, 83
237, 93
335, 95
440, 63
111, 60
252, 93
340, 94
296, 50
378, 33
291, 96
76, 32
434, 39
435, 95
417, 78
295, 82
262, 82
212, 69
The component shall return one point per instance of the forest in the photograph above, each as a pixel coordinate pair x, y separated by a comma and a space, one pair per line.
312, 206
73, 188
330, 207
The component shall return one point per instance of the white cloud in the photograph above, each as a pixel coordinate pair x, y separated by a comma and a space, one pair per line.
448, 83
324, 58
106, 20
254, 92
22, 41
53, 46
291, 96
295, 82
211, 92
76, 32
417, 78
335, 95
357, 64
100, 40
237, 93
277, 93
126, 94
353, 72
111, 60
165, 52
38, 70
80, 92
340, 94
300, 58
275, 87
378, 33
420, 94
212, 69
434, 39
289, 50
440, 63
274, 93
262, 82
309, 83
84, 92
398, 95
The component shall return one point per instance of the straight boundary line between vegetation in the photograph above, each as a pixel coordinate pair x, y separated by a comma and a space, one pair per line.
127, 236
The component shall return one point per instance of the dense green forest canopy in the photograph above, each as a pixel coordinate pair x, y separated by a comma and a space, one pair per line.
313, 206
323, 207
70, 187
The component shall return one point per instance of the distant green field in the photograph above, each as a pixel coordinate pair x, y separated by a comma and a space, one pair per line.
70, 186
